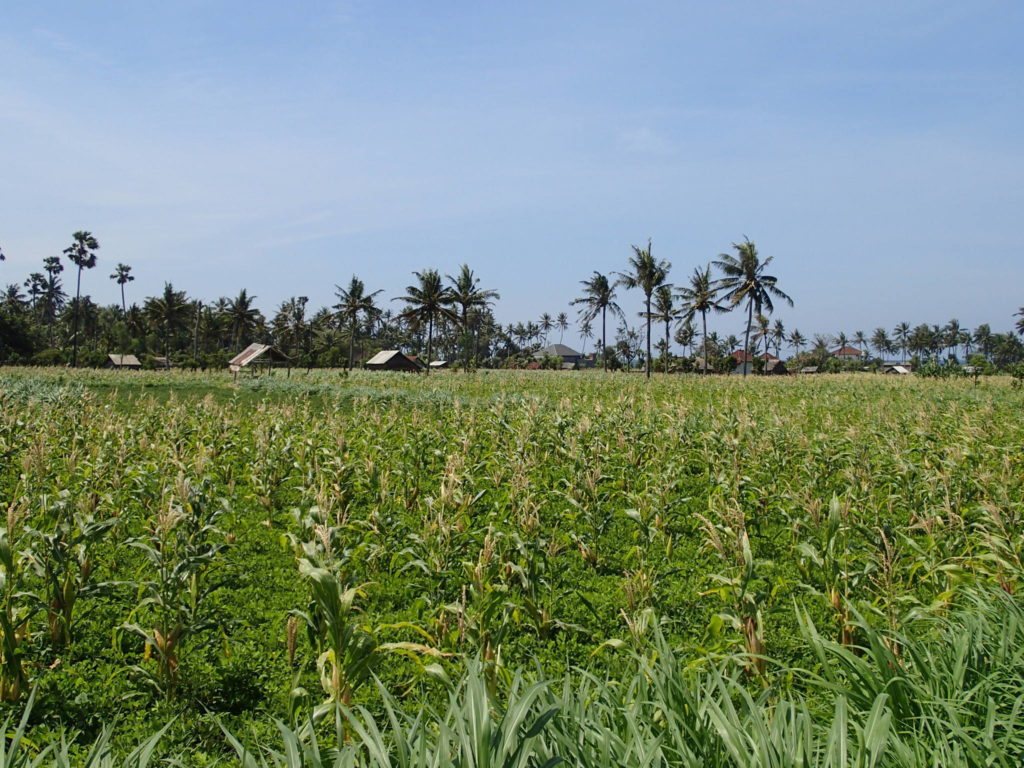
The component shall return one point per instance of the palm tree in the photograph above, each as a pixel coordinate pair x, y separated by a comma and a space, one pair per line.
468, 295
546, 324
122, 275
598, 297
36, 285
901, 335
1020, 323
168, 313
778, 336
354, 302
664, 312
797, 340
701, 296
762, 332
429, 301
586, 332
880, 341
861, 340
983, 339
646, 274
243, 316
685, 335
745, 280
82, 253
562, 324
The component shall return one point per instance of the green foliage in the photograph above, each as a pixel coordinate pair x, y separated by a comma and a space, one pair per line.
466, 544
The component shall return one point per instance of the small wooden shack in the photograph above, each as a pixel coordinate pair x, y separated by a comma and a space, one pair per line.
392, 360
260, 358
131, 362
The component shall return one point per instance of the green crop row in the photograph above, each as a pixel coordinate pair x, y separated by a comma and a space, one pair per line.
185, 551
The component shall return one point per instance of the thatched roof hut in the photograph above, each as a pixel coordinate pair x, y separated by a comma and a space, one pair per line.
131, 362
259, 357
392, 360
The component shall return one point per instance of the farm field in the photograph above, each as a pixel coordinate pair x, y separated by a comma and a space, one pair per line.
597, 568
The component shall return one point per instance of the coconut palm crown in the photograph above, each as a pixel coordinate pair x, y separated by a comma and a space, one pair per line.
744, 280
646, 274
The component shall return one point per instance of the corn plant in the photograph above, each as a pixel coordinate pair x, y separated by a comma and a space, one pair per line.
17, 607
182, 552
744, 586
346, 651
62, 554
831, 568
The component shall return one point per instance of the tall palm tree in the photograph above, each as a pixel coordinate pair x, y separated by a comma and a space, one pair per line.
36, 285
685, 335
598, 298
243, 317
744, 280
861, 340
762, 331
82, 253
354, 302
428, 302
562, 324
467, 295
701, 296
1020, 323
168, 313
901, 335
983, 339
880, 341
646, 274
797, 340
122, 274
778, 336
586, 332
546, 324
665, 312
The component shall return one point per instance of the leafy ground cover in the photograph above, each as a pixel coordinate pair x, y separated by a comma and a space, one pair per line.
588, 567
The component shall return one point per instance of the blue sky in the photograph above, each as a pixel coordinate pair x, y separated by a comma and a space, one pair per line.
874, 148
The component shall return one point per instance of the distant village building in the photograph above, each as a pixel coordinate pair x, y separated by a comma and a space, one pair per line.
162, 363
896, 370
393, 360
744, 362
131, 362
809, 369
259, 357
439, 365
775, 367
849, 353
567, 354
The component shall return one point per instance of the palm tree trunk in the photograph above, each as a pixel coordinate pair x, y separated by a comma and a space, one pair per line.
704, 327
465, 341
430, 337
351, 342
648, 305
195, 334
604, 340
666, 346
78, 308
746, 338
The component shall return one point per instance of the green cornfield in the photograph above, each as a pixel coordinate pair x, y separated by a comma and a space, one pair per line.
510, 569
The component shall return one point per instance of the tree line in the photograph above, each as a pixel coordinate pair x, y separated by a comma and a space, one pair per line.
451, 317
